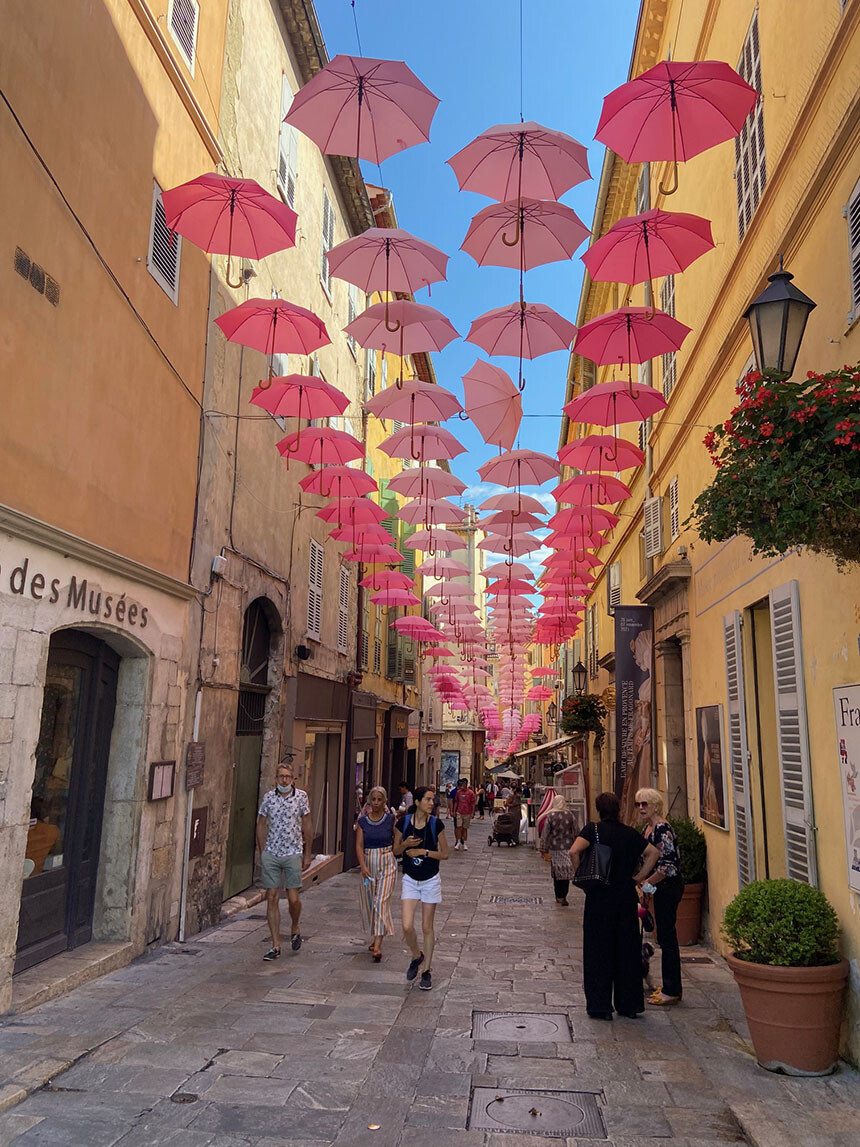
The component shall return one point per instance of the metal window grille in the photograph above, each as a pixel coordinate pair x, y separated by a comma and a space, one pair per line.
327, 239
316, 562
670, 365
288, 149
343, 611
653, 523
165, 249
750, 157
183, 20
674, 509
852, 214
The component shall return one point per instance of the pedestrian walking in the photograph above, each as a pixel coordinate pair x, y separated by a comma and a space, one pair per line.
666, 885
611, 946
481, 806
405, 801
559, 832
374, 847
284, 834
463, 805
419, 837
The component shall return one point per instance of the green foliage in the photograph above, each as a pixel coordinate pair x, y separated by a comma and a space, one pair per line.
584, 714
788, 466
783, 923
692, 847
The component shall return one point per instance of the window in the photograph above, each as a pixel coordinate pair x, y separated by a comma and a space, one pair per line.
591, 641
352, 313
643, 189
182, 19
288, 149
613, 587
343, 611
315, 589
670, 366
377, 643
280, 367
646, 378
327, 241
365, 629
750, 159
653, 523
384, 371
165, 249
370, 374
852, 213
589, 373
674, 511
644, 430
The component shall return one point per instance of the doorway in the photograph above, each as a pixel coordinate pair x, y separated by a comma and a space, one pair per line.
67, 804
322, 768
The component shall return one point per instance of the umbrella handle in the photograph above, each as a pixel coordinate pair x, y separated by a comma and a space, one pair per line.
652, 308
674, 186
463, 416
240, 282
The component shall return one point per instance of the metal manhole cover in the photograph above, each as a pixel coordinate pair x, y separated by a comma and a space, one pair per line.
523, 1027
553, 1114
696, 960
516, 900
183, 1097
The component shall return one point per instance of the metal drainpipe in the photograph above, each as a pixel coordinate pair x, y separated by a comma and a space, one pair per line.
189, 797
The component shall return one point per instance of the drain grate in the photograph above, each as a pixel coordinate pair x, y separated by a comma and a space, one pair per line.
553, 1114
516, 900
696, 960
522, 1027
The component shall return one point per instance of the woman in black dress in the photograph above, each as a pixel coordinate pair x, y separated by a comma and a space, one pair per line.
611, 945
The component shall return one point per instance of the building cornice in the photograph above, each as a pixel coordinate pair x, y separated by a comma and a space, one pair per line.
669, 578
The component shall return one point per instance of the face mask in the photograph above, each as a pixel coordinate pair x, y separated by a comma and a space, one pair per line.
284, 788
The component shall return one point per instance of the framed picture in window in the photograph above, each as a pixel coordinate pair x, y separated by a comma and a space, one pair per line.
161, 777
711, 762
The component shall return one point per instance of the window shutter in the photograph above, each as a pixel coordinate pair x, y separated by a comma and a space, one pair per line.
384, 370
391, 653
853, 216
738, 751
669, 361
643, 189
343, 611
377, 643
644, 428
674, 509
288, 149
183, 18
327, 239
408, 661
592, 636
750, 159
370, 374
407, 566
589, 374
316, 559
653, 521
365, 629
792, 733
165, 248
351, 313
613, 586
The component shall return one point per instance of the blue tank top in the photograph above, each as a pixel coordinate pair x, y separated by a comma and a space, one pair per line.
379, 834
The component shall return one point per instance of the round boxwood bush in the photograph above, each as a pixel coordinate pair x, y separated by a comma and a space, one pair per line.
783, 923
692, 847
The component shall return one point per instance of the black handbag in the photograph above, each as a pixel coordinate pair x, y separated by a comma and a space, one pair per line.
595, 865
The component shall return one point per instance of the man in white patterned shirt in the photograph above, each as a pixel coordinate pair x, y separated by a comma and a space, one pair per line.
284, 834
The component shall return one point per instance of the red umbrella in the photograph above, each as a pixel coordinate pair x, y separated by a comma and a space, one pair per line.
629, 334
437, 651
414, 401
493, 404
544, 671
351, 95
585, 519
509, 587
321, 446
340, 481
600, 487
524, 234
395, 597
434, 442
227, 216
427, 481
515, 159
300, 396
520, 468
274, 326
386, 579
522, 330
675, 110
611, 403
591, 452
422, 328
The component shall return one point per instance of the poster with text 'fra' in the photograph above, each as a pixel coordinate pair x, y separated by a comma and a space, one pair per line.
846, 700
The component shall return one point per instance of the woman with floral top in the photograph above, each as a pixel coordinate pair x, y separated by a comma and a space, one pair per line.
560, 830
666, 886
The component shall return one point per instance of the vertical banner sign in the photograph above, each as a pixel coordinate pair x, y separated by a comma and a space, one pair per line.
846, 700
634, 675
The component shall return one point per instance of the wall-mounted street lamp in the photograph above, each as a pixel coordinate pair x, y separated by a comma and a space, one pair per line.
777, 320
580, 678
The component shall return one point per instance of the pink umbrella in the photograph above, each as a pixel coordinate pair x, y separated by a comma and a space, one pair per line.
422, 328
493, 403
449, 589
629, 334
366, 532
509, 587
545, 671
300, 396
566, 561
504, 521
437, 651
540, 693
373, 554
386, 579
433, 442
604, 488
232, 217
384, 97
352, 510
321, 446
611, 403
274, 326
427, 481
521, 330
580, 517
524, 234
515, 159
429, 541
434, 510
520, 468
341, 481
503, 570
514, 501
442, 567
395, 597
674, 111
516, 545
591, 452
414, 401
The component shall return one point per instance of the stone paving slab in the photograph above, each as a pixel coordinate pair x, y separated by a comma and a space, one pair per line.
324, 1047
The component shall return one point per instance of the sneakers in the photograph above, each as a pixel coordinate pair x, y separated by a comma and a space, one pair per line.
412, 970
425, 983
465, 847
456, 846
272, 954
296, 941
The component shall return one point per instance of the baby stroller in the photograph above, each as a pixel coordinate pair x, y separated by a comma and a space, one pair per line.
505, 827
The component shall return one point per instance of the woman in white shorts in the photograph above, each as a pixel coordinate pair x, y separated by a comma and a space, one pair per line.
419, 837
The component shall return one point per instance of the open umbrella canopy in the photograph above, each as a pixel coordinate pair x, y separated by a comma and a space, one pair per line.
431, 540
521, 330
516, 545
228, 216
365, 108
515, 502
424, 442
321, 445
509, 587
395, 597
503, 570
437, 511
629, 334
585, 519
545, 671
514, 159
547, 232
493, 403
611, 403
449, 589
387, 259
427, 482
352, 511
422, 328
300, 396
274, 326
438, 651
361, 535
600, 452
339, 482
386, 579
642, 247
540, 693
373, 554
520, 468
414, 401
598, 487
442, 568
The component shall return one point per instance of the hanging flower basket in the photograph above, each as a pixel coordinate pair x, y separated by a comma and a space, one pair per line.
584, 714
788, 466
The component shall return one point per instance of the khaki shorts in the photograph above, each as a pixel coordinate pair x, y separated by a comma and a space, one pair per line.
462, 821
275, 870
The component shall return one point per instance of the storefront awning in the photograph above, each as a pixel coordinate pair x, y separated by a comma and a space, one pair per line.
547, 747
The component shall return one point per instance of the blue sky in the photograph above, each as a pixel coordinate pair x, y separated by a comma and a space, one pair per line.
467, 53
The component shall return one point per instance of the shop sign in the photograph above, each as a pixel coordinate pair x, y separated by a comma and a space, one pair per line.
846, 701
195, 764
21, 577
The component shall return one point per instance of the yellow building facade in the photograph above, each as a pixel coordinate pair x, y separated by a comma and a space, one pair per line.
747, 650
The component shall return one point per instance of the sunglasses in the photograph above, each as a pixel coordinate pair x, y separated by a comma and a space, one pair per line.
641, 804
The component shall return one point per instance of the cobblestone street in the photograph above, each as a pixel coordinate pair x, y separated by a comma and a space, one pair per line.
325, 1047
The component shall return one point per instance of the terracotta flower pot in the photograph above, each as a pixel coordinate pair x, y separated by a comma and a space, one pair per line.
794, 1014
688, 922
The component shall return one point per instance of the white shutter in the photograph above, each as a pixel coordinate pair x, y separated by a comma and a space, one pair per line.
613, 586
288, 149
327, 239
792, 733
370, 374
315, 587
343, 611
738, 751
165, 249
750, 158
183, 19
669, 360
674, 509
852, 213
653, 522
384, 371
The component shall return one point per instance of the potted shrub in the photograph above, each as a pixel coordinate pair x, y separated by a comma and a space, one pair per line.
694, 870
791, 979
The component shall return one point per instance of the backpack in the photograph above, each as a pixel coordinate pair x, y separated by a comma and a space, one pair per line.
433, 821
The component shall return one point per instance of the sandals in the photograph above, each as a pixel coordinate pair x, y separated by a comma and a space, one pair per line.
658, 1000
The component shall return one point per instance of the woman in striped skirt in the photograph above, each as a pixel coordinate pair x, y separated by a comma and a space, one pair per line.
374, 837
